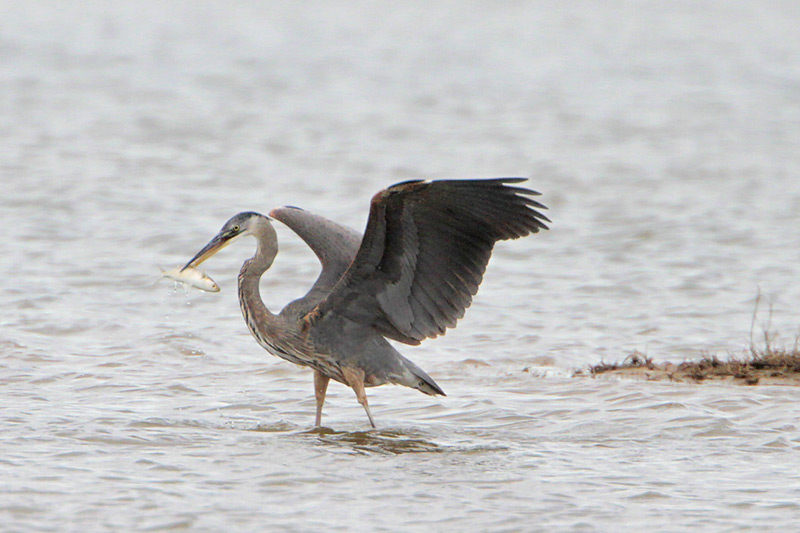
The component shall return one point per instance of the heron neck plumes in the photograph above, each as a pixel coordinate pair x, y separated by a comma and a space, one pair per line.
252, 269
270, 330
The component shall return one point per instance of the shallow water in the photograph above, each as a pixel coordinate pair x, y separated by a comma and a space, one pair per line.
665, 139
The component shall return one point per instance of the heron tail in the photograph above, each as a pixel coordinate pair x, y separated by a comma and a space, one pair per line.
421, 381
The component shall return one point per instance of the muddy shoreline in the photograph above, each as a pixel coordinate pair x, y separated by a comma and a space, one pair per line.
772, 368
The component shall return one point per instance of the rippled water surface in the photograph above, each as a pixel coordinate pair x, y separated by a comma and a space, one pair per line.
664, 136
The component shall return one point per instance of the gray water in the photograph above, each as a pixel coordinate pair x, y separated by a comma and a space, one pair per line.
664, 136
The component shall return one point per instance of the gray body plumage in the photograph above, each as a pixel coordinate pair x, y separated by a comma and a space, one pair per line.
341, 342
411, 276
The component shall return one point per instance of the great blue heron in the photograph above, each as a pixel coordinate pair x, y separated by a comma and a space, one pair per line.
411, 276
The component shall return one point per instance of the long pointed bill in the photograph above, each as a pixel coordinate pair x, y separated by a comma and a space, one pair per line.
220, 241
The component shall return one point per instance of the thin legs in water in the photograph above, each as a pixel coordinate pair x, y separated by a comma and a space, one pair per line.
320, 387
354, 378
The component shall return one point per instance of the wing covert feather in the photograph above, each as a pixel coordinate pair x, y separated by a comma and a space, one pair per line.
424, 253
334, 245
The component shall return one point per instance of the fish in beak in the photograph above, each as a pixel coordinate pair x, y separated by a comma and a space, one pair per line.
220, 241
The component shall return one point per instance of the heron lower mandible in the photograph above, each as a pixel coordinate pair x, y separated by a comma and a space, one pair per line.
412, 275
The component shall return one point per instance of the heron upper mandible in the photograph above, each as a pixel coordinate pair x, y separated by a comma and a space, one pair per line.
410, 277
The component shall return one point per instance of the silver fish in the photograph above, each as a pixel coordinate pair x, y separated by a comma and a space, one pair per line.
191, 276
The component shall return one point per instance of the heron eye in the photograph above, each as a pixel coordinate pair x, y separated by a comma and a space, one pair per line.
235, 228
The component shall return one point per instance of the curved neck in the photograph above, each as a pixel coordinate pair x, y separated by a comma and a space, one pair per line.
253, 307
272, 332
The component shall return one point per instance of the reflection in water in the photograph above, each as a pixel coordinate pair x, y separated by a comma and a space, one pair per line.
375, 441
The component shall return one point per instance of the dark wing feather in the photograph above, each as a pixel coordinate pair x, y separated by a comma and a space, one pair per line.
424, 253
334, 245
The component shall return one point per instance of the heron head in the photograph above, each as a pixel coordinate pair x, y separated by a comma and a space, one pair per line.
238, 226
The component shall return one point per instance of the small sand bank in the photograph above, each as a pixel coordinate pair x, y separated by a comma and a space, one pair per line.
771, 368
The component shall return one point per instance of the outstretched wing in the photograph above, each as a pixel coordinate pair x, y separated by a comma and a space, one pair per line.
334, 245
424, 252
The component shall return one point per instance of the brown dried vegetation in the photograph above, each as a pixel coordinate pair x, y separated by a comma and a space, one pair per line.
773, 368
767, 364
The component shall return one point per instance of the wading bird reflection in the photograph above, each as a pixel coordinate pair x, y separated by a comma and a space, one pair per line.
412, 275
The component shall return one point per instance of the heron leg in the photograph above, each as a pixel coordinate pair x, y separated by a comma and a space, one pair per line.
355, 379
320, 387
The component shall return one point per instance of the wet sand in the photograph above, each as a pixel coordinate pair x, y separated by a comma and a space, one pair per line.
754, 368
